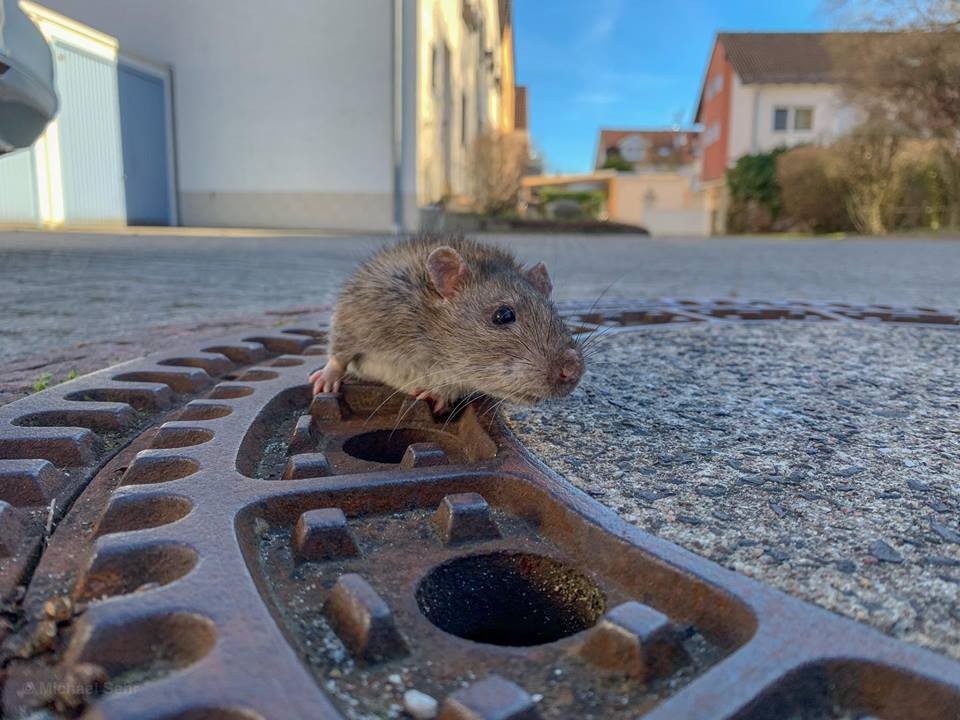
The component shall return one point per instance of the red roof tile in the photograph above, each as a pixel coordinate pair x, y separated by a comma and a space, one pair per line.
681, 153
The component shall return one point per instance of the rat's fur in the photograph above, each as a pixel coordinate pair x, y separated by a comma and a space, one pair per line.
392, 325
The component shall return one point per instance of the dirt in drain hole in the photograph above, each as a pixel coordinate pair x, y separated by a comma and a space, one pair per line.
398, 551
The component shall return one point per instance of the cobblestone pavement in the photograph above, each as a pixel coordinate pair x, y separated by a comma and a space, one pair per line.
819, 458
21, 377
58, 290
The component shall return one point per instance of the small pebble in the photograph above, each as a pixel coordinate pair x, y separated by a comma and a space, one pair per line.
58, 609
419, 705
882, 551
946, 533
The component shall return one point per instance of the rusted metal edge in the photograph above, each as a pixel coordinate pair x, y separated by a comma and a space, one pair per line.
188, 506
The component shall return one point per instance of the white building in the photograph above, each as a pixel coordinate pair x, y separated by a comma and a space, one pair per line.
762, 91
287, 114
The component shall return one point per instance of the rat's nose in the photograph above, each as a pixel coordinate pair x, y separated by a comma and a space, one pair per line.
570, 368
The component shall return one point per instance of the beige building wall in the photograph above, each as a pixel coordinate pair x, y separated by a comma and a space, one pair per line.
287, 113
282, 109
460, 61
715, 204
664, 203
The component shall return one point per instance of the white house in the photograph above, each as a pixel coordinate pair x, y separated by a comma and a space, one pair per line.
287, 114
762, 91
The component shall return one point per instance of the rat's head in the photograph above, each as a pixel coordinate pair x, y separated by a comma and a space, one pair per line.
500, 333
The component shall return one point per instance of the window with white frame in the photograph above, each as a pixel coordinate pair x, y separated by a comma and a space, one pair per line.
780, 119
633, 148
803, 118
711, 134
714, 86
799, 118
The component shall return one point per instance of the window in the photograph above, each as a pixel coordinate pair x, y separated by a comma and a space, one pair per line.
711, 134
633, 148
715, 86
780, 119
803, 118
792, 118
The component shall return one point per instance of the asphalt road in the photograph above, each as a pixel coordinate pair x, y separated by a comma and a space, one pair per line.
820, 458
58, 290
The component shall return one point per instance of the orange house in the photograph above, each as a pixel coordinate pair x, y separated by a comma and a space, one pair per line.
762, 91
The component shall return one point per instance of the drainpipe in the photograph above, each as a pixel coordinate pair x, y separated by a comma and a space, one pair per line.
397, 107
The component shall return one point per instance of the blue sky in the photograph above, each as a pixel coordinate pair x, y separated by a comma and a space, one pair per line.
626, 63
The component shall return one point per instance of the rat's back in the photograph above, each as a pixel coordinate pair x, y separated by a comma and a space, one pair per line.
385, 322
434, 317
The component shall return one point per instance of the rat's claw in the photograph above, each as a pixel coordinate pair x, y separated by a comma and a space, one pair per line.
329, 379
439, 403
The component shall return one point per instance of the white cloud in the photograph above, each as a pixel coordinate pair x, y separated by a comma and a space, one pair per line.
596, 98
606, 15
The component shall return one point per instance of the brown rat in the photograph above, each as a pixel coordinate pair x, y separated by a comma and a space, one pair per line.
447, 318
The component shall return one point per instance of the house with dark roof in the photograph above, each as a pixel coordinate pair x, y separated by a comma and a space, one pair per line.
648, 150
762, 91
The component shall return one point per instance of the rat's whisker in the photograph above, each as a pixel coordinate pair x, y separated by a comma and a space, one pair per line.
452, 381
405, 388
403, 413
463, 403
592, 340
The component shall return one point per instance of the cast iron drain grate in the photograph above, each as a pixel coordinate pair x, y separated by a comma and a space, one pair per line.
227, 546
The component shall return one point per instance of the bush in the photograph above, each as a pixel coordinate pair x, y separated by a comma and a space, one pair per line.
754, 192
812, 193
497, 164
616, 162
564, 202
922, 195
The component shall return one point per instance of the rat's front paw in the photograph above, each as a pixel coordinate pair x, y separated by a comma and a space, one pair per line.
328, 379
438, 401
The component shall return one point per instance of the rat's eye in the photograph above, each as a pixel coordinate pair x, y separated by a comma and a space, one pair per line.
504, 315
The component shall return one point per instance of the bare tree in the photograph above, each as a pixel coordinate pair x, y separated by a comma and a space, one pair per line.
868, 159
895, 14
498, 163
912, 76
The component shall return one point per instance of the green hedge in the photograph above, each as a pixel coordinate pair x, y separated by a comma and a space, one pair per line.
755, 201
590, 201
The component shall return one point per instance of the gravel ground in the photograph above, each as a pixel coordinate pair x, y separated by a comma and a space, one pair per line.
58, 290
819, 458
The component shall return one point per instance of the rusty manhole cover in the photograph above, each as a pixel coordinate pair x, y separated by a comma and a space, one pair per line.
193, 536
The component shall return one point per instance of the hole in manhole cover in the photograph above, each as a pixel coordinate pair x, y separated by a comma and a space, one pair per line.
388, 446
515, 599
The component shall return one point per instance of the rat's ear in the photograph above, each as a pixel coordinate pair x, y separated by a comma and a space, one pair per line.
447, 271
540, 278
